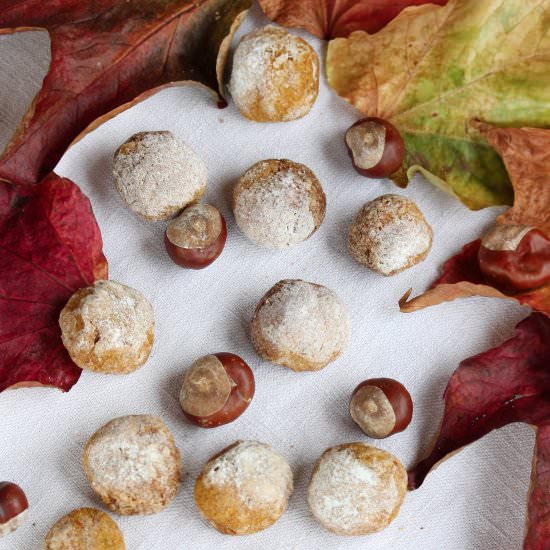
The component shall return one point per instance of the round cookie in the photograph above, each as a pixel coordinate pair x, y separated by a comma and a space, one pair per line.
275, 76
356, 489
244, 489
278, 203
85, 529
300, 325
133, 464
158, 175
389, 235
108, 327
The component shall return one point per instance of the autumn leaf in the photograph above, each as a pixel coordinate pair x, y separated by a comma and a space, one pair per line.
336, 18
106, 56
50, 246
434, 70
509, 383
526, 153
462, 278
8, 195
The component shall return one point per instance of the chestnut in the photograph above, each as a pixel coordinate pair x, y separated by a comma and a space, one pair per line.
515, 257
376, 147
13, 507
197, 237
216, 390
381, 407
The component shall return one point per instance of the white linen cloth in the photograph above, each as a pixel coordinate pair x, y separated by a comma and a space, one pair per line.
475, 501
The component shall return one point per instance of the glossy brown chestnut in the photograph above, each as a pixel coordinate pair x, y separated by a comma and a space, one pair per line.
13, 505
515, 257
197, 237
376, 147
381, 407
216, 390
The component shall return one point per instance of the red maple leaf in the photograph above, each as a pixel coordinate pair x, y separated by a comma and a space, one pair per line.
50, 247
107, 55
509, 383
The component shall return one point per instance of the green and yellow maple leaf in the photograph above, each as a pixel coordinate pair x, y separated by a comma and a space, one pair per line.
435, 71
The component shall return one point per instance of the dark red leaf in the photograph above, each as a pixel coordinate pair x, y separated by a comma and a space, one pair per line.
509, 383
337, 18
107, 55
50, 246
461, 278
462, 267
7, 196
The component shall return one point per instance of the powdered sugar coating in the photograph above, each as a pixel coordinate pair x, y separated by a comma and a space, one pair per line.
158, 175
108, 327
275, 75
133, 464
300, 325
85, 529
389, 235
260, 474
245, 488
356, 489
278, 203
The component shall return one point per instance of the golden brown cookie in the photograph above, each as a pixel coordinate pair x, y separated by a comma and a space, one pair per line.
158, 175
133, 464
389, 235
275, 76
108, 327
278, 203
244, 489
85, 529
356, 489
300, 325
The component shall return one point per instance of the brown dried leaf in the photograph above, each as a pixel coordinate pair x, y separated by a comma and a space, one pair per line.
334, 18
461, 278
432, 70
526, 154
